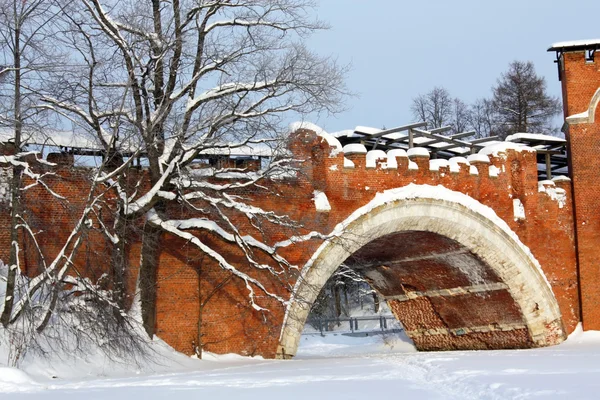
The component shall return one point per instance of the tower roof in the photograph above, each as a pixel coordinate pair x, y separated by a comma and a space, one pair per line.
576, 45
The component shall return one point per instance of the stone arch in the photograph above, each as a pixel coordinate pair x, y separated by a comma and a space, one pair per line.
588, 116
449, 214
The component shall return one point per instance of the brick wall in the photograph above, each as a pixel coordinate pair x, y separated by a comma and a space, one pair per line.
187, 278
580, 80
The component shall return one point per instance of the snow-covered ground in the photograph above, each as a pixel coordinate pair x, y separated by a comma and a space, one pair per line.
333, 367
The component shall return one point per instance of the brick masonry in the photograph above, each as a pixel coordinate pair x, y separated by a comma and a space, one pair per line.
440, 307
580, 82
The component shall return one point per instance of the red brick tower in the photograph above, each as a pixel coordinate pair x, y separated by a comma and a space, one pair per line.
579, 72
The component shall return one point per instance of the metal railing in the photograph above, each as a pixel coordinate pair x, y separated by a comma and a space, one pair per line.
328, 324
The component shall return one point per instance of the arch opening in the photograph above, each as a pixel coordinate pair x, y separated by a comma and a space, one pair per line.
451, 271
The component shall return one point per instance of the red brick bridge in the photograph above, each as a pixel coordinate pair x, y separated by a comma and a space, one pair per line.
472, 253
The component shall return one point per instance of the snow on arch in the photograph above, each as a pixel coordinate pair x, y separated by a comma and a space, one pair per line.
442, 211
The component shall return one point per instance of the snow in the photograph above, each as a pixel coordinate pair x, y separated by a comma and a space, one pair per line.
413, 166
518, 210
252, 149
557, 194
354, 148
5, 178
499, 148
339, 367
57, 138
494, 171
561, 178
373, 156
434, 165
321, 201
418, 152
455, 163
582, 115
574, 43
348, 163
473, 170
392, 163
367, 130
481, 158
397, 153
534, 136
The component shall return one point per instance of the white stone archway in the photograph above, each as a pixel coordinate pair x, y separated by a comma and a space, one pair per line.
444, 212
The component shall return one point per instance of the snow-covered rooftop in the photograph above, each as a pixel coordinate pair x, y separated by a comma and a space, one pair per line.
87, 141
53, 138
517, 137
575, 44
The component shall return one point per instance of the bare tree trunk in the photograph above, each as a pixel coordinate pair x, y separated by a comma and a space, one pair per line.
15, 186
346, 303
338, 301
148, 269
376, 302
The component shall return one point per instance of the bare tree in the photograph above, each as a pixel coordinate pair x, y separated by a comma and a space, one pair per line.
521, 102
461, 116
171, 81
482, 118
435, 107
28, 56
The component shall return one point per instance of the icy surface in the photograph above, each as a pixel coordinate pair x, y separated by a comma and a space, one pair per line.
342, 367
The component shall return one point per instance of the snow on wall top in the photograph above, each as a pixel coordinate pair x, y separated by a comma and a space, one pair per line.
501, 147
418, 152
373, 156
355, 148
483, 158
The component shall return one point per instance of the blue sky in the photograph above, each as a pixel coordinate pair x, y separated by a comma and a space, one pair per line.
399, 49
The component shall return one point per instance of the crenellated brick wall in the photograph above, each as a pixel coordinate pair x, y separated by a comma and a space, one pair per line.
186, 277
